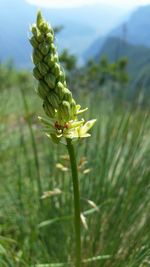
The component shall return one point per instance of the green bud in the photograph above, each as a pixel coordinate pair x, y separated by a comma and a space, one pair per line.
37, 56
39, 18
73, 104
37, 74
34, 30
40, 37
54, 100
49, 37
41, 93
44, 85
50, 80
61, 77
52, 48
43, 68
44, 27
59, 90
44, 48
56, 70
67, 95
51, 60
65, 110
49, 110
33, 42
42, 90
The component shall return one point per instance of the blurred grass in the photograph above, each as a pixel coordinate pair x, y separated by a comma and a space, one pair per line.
114, 178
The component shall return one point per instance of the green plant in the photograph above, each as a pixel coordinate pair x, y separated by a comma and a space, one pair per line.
114, 174
62, 124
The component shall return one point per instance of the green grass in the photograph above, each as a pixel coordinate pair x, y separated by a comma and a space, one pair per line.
114, 173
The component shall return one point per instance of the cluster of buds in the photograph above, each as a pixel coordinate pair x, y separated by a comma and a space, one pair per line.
58, 102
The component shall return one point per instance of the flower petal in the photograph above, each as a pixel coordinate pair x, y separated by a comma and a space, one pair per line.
86, 127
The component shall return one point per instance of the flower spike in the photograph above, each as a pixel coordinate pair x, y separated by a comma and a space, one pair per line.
58, 102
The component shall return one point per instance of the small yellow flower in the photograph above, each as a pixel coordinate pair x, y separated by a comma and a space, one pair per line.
72, 129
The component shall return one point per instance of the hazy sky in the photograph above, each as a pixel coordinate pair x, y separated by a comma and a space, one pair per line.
73, 3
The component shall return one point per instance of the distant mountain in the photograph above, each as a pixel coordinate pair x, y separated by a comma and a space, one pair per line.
136, 31
81, 26
138, 56
95, 48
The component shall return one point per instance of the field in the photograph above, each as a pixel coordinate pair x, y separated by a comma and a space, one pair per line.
36, 215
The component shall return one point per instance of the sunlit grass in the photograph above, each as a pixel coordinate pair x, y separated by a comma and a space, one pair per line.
114, 176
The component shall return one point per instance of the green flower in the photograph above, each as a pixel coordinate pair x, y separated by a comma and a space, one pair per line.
58, 102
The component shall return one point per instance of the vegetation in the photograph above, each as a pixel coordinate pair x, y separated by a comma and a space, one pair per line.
36, 215
63, 124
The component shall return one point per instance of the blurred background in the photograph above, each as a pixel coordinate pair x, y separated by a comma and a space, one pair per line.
104, 48
88, 27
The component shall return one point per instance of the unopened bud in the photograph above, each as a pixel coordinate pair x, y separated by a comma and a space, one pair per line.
49, 37
61, 77
65, 110
50, 80
40, 37
52, 48
44, 27
67, 95
54, 100
49, 110
37, 74
39, 18
51, 60
42, 90
37, 56
43, 68
44, 85
44, 48
59, 90
41, 93
34, 30
33, 42
56, 69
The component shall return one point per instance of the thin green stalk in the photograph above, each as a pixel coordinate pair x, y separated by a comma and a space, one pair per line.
38, 176
76, 192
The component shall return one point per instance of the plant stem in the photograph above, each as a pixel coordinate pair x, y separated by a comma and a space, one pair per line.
76, 192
